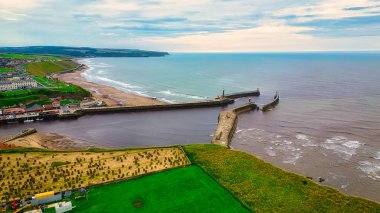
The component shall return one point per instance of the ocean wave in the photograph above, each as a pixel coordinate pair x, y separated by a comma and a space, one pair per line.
293, 158
170, 93
102, 71
119, 83
306, 140
370, 168
342, 146
377, 155
113, 83
302, 137
90, 63
167, 100
269, 150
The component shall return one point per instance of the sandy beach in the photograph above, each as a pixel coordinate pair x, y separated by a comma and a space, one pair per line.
110, 95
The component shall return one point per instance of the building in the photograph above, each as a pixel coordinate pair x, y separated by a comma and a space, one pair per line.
13, 111
88, 104
46, 197
56, 104
17, 84
63, 207
34, 108
48, 106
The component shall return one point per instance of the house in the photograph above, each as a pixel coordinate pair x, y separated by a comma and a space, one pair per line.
17, 84
48, 106
63, 207
13, 111
56, 104
50, 112
34, 108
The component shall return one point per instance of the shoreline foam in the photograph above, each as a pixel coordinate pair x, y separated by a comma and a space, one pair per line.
110, 95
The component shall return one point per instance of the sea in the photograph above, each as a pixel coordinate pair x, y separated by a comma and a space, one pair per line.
326, 126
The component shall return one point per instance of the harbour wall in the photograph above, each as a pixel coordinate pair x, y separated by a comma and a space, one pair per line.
243, 94
191, 105
23, 133
103, 110
227, 122
272, 104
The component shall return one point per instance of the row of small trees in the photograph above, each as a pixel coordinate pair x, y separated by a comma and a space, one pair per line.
22, 176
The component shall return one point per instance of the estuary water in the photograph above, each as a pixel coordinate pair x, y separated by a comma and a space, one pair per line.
327, 124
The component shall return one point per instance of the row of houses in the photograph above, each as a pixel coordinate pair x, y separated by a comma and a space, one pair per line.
36, 108
13, 62
17, 84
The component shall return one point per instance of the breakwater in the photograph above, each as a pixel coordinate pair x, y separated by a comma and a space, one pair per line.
102, 110
190, 105
276, 100
227, 122
243, 94
23, 133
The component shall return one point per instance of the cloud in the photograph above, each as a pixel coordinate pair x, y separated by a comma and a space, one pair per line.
16, 9
197, 26
268, 36
332, 10
10, 16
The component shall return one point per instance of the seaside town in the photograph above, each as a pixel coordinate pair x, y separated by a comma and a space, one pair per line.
15, 77
207, 106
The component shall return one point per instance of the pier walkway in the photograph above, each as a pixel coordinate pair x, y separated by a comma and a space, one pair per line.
189, 105
243, 94
227, 122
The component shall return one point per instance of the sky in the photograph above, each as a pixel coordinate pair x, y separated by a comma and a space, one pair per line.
194, 25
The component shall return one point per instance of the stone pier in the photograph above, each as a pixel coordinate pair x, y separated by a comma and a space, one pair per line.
227, 122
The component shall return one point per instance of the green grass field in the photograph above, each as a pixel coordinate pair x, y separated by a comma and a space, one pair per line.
41, 69
5, 69
265, 188
187, 189
24, 56
48, 82
11, 98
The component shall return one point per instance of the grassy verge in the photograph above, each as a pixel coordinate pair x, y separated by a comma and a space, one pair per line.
265, 188
187, 189
25, 56
5, 69
11, 98
41, 69
48, 82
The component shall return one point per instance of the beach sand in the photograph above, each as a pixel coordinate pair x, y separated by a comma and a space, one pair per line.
110, 95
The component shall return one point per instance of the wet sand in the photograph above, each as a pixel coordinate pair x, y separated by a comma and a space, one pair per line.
111, 96
52, 141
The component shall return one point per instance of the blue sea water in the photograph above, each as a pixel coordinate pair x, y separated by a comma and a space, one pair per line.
188, 77
326, 125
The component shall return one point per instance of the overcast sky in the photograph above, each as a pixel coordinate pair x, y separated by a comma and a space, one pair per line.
194, 25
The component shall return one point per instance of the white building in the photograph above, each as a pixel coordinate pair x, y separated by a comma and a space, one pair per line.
17, 84
63, 207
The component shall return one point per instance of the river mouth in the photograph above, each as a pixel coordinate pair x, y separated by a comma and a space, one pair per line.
117, 130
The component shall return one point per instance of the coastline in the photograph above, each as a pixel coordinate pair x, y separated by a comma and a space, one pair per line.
110, 95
